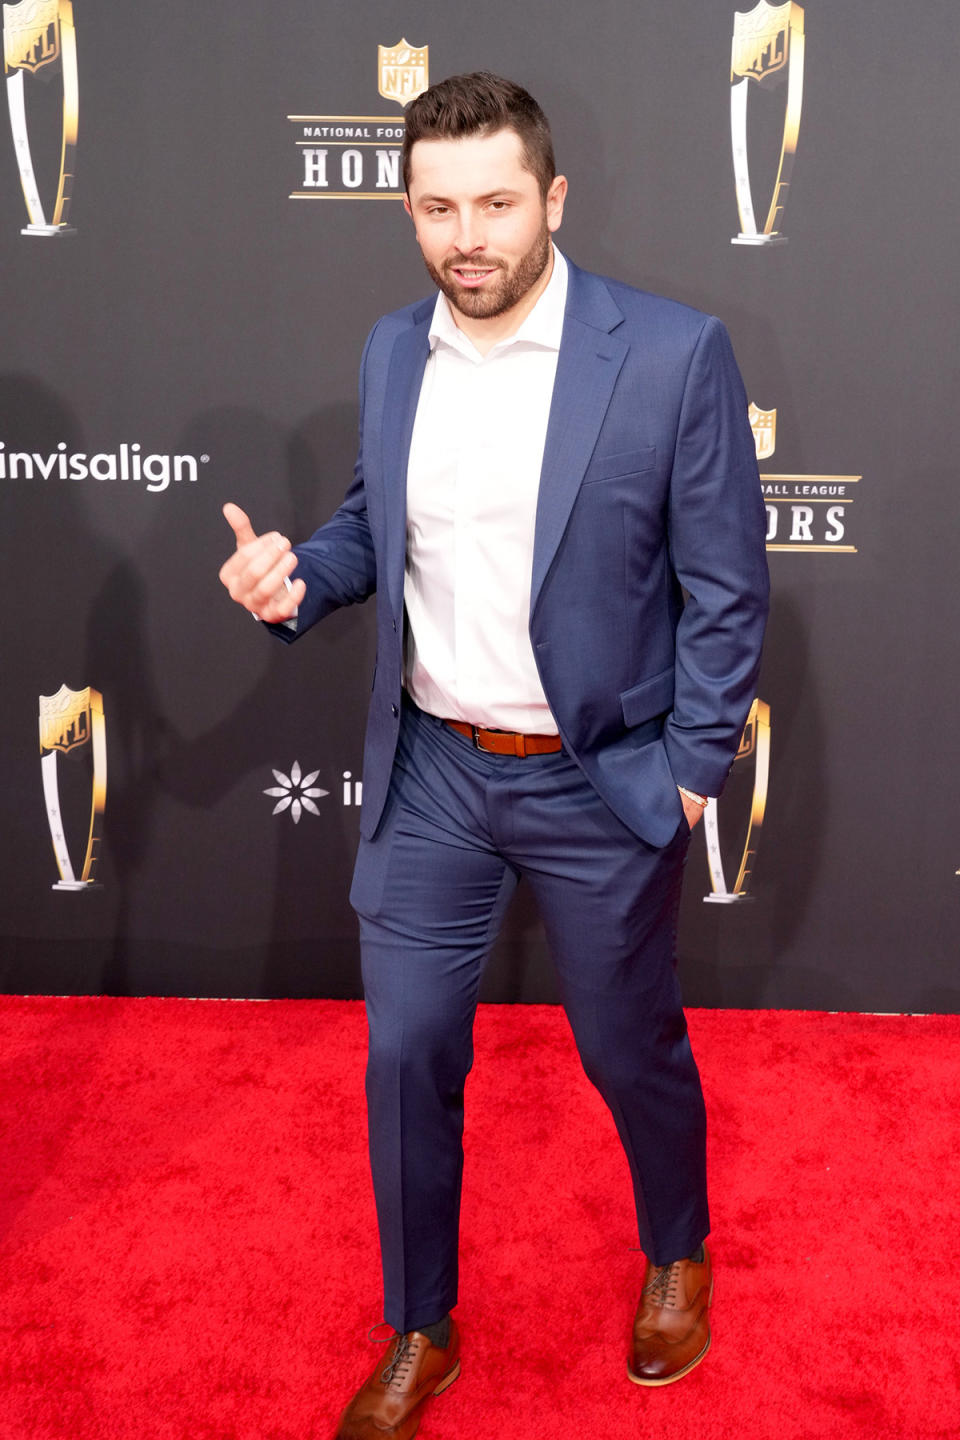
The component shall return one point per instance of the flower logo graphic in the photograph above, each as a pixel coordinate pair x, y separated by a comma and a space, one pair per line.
296, 792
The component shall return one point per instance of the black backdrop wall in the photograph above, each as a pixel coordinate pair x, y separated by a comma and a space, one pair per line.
201, 329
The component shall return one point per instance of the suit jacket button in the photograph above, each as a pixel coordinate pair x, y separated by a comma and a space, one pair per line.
394, 711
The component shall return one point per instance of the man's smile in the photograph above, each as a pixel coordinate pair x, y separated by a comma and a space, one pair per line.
471, 276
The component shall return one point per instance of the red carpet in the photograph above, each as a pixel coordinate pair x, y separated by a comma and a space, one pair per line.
187, 1245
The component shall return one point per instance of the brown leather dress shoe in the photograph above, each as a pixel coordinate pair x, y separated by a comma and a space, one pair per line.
671, 1331
390, 1405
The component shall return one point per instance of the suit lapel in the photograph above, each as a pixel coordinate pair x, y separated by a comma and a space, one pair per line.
589, 362
404, 378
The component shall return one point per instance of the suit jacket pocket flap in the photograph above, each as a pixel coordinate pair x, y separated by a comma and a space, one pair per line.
651, 697
629, 462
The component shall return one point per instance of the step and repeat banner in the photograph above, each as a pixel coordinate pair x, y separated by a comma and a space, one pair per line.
201, 218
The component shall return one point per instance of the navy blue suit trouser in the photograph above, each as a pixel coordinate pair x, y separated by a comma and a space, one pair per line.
461, 827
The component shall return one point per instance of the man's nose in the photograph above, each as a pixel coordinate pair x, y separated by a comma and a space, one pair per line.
470, 236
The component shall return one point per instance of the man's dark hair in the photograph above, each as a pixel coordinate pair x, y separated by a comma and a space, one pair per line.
481, 104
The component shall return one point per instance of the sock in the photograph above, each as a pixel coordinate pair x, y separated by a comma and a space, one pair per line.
438, 1334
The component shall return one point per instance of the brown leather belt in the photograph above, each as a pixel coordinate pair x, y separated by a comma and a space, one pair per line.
505, 742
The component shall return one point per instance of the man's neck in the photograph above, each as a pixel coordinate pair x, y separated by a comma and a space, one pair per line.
484, 334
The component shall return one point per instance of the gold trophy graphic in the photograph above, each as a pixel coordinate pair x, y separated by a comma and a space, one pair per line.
755, 746
38, 39
768, 47
69, 721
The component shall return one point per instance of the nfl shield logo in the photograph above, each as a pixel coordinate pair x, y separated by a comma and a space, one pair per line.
31, 34
761, 41
748, 740
403, 73
763, 423
65, 718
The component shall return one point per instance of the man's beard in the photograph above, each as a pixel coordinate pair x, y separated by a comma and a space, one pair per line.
500, 293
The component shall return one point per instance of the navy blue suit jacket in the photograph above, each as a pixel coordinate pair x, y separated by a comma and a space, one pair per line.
649, 488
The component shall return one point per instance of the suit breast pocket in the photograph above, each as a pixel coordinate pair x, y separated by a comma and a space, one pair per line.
616, 467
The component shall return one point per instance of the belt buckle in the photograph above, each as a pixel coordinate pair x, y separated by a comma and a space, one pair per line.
476, 737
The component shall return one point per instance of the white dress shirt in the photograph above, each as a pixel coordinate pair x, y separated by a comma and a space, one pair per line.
472, 483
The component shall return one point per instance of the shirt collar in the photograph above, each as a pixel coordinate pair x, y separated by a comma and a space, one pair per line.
542, 327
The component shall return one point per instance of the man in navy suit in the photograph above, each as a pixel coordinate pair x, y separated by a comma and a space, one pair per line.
556, 500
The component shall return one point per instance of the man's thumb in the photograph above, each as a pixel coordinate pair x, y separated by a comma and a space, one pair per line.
239, 523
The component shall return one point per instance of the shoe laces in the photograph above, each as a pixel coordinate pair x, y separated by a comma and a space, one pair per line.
663, 1286
398, 1366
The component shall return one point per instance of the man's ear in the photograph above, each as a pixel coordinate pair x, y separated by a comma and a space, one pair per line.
406, 204
556, 195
